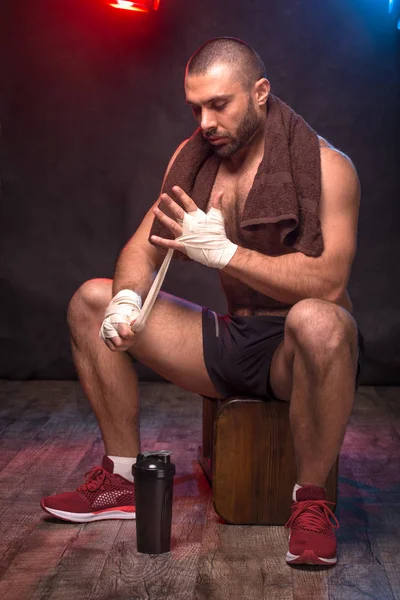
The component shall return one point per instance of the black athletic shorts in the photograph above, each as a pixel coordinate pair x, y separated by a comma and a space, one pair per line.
238, 352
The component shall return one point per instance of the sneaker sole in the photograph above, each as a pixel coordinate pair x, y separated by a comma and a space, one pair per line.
124, 512
308, 557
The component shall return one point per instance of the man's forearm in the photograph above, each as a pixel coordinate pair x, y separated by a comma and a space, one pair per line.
287, 278
134, 271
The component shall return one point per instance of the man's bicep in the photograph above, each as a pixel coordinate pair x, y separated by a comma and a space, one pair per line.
339, 208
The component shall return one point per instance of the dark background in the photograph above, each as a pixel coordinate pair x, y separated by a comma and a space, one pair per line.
92, 107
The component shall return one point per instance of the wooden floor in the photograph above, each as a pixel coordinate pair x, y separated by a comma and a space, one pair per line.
49, 438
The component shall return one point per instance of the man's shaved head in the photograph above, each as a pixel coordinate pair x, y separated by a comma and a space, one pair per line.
246, 65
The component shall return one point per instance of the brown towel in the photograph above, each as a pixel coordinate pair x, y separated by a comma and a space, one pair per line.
287, 186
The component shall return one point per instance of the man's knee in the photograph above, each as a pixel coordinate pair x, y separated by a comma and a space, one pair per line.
321, 326
90, 299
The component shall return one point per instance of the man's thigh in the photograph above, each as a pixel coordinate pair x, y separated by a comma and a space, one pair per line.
171, 344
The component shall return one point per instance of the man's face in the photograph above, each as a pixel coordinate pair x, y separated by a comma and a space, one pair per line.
224, 110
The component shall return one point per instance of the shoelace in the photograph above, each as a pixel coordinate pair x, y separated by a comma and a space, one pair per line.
313, 515
94, 479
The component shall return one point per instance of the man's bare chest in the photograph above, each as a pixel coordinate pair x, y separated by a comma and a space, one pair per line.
236, 188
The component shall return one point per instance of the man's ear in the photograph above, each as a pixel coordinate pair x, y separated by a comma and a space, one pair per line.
262, 90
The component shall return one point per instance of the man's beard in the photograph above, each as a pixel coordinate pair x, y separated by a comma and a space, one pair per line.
246, 130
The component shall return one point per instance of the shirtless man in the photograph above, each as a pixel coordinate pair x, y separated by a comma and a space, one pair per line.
297, 304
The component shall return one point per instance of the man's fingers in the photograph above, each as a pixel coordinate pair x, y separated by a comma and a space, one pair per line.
109, 344
168, 243
188, 204
121, 342
171, 208
168, 222
115, 344
125, 332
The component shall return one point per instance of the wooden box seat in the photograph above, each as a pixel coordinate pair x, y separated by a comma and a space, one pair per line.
248, 457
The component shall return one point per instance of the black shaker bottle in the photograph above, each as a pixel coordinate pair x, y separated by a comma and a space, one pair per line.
154, 476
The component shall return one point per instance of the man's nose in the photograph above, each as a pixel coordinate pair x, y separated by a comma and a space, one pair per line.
208, 120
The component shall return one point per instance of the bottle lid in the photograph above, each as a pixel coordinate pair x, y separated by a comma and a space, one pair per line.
154, 465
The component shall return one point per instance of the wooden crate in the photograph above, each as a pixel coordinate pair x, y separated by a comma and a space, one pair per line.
248, 456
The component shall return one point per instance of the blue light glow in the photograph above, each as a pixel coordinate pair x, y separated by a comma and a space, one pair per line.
394, 9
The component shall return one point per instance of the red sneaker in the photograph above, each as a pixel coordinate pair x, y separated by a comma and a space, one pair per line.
104, 495
312, 540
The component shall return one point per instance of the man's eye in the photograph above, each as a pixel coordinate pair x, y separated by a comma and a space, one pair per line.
220, 106
196, 110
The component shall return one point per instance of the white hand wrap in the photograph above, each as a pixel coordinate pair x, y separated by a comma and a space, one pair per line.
204, 238
123, 308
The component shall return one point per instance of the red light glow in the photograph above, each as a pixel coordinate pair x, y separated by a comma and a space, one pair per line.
143, 6
126, 5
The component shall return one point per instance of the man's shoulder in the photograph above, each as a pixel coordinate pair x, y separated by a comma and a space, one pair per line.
338, 175
179, 148
334, 160
173, 157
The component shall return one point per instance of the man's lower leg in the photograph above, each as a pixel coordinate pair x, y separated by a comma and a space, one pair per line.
321, 403
320, 407
107, 378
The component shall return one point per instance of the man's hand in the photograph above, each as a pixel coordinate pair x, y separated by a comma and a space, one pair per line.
201, 236
123, 341
120, 315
